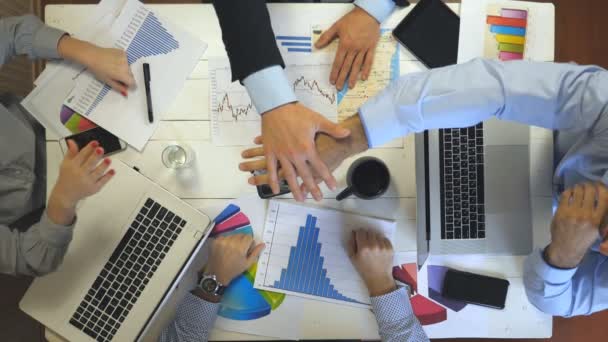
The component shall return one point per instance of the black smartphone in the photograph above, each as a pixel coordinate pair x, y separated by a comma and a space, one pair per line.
430, 32
475, 288
109, 142
264, 191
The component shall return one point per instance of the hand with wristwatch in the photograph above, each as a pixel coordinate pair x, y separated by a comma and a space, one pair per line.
229, 257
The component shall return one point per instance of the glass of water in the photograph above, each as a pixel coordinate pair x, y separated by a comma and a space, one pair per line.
177, 156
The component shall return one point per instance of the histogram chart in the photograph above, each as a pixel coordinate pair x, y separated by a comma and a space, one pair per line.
505, 37
235, 120
306, 253
171, 53
145, 36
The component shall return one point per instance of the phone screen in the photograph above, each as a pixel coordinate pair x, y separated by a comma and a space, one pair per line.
107, 140
475, 288
264, 190
430, 32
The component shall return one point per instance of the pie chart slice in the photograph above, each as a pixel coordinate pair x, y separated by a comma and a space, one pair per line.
242, 302
427, 311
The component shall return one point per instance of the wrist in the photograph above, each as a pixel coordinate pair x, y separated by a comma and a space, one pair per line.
556, 257
205, 296
356, 142
381, 286
76, 50
61, 210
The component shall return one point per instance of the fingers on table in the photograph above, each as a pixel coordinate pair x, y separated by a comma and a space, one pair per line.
86, 152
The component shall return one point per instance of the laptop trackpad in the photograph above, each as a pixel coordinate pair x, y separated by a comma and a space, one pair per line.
507, 179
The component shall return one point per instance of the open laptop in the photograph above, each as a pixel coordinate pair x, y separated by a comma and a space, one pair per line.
473, 187
132, 243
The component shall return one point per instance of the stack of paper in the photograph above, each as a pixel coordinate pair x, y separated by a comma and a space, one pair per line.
68, 99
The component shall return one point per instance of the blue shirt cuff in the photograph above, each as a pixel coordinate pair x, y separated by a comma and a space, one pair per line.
548, 273
379, 9
269, 88
380, 120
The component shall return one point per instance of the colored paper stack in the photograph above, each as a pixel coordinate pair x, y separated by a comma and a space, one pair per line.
509, 30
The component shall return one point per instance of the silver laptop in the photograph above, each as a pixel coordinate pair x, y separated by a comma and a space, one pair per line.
132, 243
473, 190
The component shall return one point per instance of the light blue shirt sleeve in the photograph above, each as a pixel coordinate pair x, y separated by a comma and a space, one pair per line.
550, 95
379, 9
395, 317
567, 292
193, 321
269, 88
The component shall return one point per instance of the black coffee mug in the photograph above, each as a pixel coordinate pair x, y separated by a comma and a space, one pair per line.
367, 178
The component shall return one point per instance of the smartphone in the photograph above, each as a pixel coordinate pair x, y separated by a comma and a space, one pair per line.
475, 289
110, 143
430, 32
264, 190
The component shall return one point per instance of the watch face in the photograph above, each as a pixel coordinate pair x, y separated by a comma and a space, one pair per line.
209, 285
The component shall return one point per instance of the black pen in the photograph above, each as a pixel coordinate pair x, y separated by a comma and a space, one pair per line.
148, 92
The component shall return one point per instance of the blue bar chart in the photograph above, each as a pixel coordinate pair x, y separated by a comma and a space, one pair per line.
306, 253
149, 38
305, 272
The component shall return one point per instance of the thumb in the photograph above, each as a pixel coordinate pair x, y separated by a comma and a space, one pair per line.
333, 129
72, 149
253, 256
327, 37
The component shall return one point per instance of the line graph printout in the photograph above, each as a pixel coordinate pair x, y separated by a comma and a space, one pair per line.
234, 118
306, 253
144, 37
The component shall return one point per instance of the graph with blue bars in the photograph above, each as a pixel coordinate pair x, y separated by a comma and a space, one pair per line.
151, 39
305, 272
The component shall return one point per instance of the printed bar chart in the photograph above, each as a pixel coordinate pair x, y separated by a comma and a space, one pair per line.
305, 272
506, 34
306, 253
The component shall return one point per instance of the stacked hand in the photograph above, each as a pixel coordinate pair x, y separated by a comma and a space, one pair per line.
330, 150
231, 256
358, 33
82, 174
577, 224
372, 255
288, 137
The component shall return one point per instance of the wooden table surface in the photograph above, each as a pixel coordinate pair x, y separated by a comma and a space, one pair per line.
581, 33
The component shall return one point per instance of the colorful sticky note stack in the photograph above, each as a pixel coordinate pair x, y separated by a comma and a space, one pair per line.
510, 32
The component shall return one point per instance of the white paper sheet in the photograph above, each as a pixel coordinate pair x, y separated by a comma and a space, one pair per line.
147, 38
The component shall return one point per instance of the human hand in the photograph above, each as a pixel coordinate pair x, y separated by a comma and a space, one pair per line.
107, 64
288, 133
81, 174
576, 224
112, 67
372, 255
231, 256
359, 33
332, 152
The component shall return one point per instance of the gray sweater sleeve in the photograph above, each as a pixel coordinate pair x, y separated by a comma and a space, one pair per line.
27, 35
37, 251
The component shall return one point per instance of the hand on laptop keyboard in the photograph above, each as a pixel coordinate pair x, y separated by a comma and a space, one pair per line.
577, 224
82, 174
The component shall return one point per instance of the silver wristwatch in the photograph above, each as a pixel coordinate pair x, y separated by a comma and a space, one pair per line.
210, 285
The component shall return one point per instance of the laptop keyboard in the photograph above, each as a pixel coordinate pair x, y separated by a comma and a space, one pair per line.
127, 272
462, 184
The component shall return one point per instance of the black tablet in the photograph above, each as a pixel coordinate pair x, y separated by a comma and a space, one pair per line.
430, 32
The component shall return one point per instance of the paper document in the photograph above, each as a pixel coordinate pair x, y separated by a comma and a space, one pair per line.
234, 119
506, 30
172, 54
306, 253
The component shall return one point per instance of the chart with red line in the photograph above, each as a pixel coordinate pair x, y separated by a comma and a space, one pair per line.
505, 35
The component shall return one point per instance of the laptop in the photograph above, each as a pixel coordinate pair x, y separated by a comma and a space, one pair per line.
473, 187
132, 243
